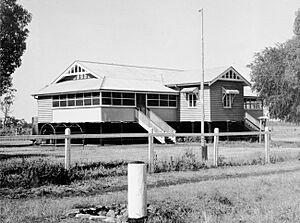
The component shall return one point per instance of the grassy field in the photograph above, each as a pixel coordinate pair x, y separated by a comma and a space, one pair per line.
268, 193
251, 193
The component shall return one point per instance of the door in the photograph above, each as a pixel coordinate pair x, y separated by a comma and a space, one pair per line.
141, 102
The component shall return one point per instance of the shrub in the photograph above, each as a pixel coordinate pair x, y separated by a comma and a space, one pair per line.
34, 173
187, 161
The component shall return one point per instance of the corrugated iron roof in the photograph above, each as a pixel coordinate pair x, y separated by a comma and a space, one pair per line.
71, 86
131, 78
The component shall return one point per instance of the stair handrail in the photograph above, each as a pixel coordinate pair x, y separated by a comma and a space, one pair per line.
253, 121
161, 123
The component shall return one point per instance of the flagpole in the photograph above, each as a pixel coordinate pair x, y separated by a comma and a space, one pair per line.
204, 148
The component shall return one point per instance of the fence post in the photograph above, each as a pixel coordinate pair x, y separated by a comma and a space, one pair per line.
67, 149
137, 191
260, 135
150, 152
216, 149
267, 145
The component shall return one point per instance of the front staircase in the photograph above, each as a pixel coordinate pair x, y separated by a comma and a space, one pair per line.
154, 122
252, 123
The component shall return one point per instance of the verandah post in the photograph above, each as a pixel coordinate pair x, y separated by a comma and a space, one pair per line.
216, 149
150, 152
67, 149
267, 145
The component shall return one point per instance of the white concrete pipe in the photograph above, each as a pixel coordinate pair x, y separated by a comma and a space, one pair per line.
137, 190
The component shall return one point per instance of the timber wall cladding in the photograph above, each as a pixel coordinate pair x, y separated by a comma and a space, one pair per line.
45, 109
194, 113
218, 112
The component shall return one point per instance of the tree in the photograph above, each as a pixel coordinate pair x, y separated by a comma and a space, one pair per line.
6, 102
13, 33
276, 75
297, 23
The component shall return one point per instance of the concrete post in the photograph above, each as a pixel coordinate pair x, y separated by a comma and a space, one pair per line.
67, 149
137, 190
216, 149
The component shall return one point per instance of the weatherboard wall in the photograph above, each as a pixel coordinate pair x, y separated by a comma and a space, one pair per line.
45, 109
218, 112
192, 114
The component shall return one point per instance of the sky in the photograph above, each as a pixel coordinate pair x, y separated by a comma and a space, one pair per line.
158, 33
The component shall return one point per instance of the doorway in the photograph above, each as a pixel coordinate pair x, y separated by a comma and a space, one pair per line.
141, 102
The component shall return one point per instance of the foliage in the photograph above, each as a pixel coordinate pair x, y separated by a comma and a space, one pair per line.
6, 102
188, 161
297, 23
34, 173
276, 75
13, 33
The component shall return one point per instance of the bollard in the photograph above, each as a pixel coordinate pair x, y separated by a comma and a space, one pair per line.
137, 191
216, 149
67, 149
267, 145
150, 152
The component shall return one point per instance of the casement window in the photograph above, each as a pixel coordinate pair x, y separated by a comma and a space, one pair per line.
71, 100
228, 97
227, 100
118, 98
161, 100
192, 100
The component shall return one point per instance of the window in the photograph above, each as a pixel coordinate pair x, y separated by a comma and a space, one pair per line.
55, 101
252, 104
96, 98
228, 96
79, 99
118, 98
161, 100
192, 100
71, 100
87, 99
227, 100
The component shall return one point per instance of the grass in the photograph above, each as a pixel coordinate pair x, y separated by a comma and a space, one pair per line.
238, 191
266, 194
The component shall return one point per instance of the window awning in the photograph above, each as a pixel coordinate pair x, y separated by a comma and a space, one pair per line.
190, 90
229, 91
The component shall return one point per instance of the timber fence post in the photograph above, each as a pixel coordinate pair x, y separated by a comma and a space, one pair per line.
137, 191
67, 149
216, 149
150, 152
267, 145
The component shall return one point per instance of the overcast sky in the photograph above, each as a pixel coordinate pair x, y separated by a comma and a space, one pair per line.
161, 33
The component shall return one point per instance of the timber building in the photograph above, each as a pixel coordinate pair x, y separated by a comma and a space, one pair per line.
91, 97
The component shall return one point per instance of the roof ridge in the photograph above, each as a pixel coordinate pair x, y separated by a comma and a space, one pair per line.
129, 65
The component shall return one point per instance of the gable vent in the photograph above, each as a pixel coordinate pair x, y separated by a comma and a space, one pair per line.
231, 75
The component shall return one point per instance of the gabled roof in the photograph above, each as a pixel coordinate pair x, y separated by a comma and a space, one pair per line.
191, 77
85, 76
